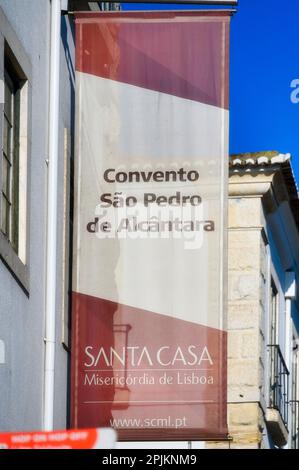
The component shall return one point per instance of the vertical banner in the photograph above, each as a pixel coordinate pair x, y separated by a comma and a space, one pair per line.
148, 332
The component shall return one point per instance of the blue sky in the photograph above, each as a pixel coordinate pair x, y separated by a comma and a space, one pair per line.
264, 61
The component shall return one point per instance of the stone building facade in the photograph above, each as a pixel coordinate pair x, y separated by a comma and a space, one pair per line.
263, 317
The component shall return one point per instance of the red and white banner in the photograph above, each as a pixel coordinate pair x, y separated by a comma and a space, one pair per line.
66, 439
148, 337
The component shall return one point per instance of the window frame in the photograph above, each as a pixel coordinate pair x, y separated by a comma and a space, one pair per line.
10, 154
273, 281
14, 57
274, 302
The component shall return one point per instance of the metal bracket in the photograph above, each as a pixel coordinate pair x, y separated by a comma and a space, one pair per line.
184, 2
68, 6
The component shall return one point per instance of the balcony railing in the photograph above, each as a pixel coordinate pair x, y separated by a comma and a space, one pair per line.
295, 423
279, 383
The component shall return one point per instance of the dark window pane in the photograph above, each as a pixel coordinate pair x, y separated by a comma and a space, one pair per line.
5, 210
6, 177
7, 130
10, 159
8, 98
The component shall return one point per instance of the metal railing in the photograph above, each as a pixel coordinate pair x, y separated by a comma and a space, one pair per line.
295, 423
279, 383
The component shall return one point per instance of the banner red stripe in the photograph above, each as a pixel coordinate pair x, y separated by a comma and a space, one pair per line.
154, 346
157, 55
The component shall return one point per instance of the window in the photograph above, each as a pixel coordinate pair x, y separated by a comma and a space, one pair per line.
279, 373
274, 306
15, 148
10, 157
